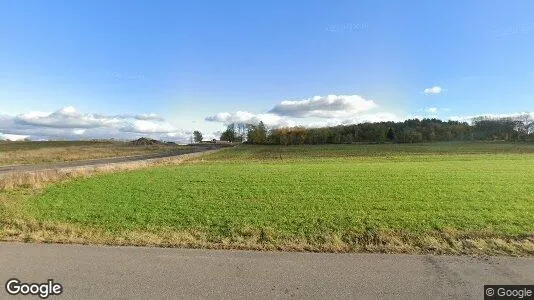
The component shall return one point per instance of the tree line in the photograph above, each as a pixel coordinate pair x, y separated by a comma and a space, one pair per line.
519, 128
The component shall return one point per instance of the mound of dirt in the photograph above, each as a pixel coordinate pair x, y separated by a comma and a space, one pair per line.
146, 141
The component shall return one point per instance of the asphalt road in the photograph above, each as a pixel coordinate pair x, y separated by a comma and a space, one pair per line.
97, 272
4, 170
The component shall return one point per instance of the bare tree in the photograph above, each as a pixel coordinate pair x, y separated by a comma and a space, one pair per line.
528, 123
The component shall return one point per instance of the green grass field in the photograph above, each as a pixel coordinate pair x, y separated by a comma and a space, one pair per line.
440, 198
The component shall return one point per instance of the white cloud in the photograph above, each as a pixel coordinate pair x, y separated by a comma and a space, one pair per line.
67, 123
78, 131
365, 118
226, 117
13, 137
66, 117
336, 109
491, 116
331, 106
152, 117
277, 121
371, 118
433, 90
69, 117
268, 119
144, 126
432, 110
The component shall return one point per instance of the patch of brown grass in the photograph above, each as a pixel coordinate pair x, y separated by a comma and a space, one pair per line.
16, 153
449, 243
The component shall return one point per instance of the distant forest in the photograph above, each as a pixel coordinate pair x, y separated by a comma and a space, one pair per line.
520, 128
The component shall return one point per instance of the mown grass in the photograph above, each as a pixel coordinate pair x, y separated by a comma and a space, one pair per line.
439, 198
415, 151
14, 153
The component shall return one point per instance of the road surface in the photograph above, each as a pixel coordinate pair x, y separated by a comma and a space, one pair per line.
98, 272
4, 170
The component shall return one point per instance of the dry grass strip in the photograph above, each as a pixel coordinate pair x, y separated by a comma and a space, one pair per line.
446, 242
38, 179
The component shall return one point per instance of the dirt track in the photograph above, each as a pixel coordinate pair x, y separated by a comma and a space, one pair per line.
5, 170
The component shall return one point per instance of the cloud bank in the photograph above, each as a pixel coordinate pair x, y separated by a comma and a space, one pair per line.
331, 106
268, 119
332, 109
491, 116
68, 123
66, 117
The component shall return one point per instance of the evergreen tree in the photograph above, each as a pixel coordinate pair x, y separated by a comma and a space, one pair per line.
391, 134
198, 136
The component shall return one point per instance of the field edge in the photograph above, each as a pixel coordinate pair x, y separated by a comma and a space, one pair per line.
443, 242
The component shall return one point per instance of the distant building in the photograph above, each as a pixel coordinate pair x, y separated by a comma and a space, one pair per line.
215, 141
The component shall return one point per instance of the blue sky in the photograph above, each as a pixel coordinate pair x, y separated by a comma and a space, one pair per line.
75, 66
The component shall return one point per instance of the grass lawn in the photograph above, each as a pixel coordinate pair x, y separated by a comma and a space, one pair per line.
440, 198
